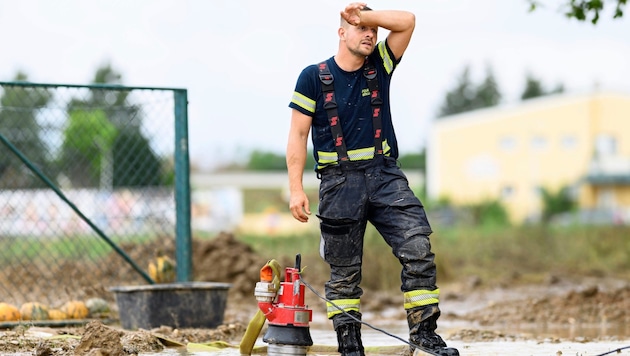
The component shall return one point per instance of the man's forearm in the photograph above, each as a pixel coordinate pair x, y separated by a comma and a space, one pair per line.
393, 20
296, 160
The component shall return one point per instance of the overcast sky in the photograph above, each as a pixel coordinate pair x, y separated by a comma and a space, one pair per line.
239, 59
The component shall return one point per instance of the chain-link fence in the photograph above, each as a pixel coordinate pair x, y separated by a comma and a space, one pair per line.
88, 175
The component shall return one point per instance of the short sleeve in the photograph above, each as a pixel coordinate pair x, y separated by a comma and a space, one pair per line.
306, 90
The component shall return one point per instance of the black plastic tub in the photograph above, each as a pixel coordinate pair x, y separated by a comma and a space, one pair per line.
178, 305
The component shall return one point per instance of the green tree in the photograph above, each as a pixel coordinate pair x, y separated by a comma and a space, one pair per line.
414, 160
87, 145
270, 161
554, 203
19, 124
461, 97
135, 163
487, 93
583, 10
124, 160
466, 96
266, 161
558, 89
534, 88
115, 103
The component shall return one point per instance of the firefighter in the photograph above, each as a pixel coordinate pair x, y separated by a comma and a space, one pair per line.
344, 100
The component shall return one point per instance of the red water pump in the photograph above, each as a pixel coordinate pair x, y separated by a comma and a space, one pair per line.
282, 303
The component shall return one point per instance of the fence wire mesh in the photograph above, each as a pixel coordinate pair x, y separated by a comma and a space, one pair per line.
110, 151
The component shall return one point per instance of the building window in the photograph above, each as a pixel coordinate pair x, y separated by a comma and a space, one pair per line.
539, 143
605, 145
507, 192
482, 166
568, 142
507, 143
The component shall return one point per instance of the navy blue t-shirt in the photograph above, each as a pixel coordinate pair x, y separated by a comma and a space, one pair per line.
353, 105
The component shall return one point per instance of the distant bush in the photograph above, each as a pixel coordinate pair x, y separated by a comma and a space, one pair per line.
489, 213
266, 161
555, 203
272, 161
413, 160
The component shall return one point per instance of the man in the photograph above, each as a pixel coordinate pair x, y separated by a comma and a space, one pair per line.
345, 101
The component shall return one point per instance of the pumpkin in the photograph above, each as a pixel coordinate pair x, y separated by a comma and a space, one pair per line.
162, 270
9, 312
75, 309
56, 314
34, 311
97, 307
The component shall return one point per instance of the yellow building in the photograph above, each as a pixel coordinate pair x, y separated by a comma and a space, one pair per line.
511, 152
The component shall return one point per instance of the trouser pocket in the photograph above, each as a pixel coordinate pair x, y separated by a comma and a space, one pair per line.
341, 241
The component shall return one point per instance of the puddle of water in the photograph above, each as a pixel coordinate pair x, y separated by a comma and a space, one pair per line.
490, 348
520, 348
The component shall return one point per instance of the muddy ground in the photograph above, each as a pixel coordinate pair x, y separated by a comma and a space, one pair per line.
477, 312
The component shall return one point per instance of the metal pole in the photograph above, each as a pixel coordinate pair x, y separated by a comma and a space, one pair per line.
183, 252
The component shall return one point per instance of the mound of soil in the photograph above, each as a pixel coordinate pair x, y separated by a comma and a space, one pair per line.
225, 259
96, 338
588, 305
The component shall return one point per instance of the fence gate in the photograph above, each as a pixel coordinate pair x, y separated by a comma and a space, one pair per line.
93, 182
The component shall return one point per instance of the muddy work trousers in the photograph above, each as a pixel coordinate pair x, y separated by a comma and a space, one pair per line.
377, 191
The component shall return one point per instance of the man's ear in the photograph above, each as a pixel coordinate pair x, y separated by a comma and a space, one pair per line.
342, 33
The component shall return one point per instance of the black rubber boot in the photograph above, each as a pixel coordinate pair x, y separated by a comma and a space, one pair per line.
349, 339
422, 324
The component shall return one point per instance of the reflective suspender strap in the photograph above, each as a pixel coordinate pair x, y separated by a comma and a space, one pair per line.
369, 71
330, 104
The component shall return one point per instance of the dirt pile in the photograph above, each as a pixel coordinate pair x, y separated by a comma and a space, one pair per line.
99, 338
225, 259
588, 305
96, 338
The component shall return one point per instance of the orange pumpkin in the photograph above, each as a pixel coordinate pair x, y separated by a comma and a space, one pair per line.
75, 309
56, 314
34, 311
9, 312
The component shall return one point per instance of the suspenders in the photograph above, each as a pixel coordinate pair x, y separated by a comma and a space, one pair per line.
330, 105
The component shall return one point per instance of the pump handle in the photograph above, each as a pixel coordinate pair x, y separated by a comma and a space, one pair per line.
298, 261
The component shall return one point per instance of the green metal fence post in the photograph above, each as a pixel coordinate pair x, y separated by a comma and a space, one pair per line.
183, 237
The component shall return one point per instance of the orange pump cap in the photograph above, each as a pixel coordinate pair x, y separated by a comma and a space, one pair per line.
266, 274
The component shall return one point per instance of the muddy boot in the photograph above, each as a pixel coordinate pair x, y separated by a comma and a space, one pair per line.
349, 339
422, 324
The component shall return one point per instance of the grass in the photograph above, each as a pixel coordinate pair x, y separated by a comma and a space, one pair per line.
259, 200
538, 250
528, 253
68, 247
